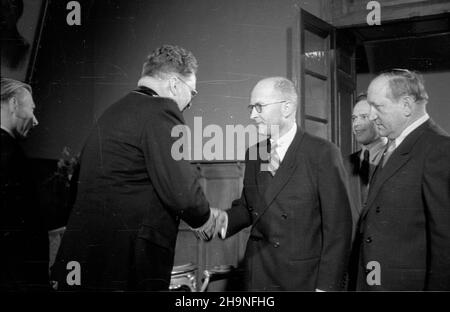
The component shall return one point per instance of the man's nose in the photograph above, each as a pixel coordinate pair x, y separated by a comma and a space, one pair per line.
253, 113
372, 115
35, 121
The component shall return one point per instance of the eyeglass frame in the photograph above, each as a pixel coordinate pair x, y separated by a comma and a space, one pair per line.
259, 106
193, 91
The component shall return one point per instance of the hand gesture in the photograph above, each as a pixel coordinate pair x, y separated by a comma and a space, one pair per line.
207, 230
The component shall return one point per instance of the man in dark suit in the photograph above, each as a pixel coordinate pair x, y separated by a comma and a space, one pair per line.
360, 165
404, 227
132, 193
297, 205
23, 234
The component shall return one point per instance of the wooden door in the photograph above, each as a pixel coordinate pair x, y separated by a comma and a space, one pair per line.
314, 45
345, 90
324, 73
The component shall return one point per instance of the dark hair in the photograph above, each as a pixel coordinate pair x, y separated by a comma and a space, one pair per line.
361, 97
170, 59
405, 82
11, 87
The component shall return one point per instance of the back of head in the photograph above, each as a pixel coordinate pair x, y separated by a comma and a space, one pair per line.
169, 59
11, 87
361, 97
403, 82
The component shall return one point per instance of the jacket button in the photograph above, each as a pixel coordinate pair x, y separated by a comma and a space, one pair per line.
284, 216
276, 244
377, 210
250, 208
256, 214
369, 240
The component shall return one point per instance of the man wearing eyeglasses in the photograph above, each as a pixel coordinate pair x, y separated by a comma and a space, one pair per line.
132, 193
297, 204
405, 223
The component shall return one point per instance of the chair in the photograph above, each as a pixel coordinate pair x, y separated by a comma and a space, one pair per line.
183, 277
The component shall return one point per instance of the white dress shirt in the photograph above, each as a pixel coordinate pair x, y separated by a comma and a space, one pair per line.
283, 142
416, 124
375, 149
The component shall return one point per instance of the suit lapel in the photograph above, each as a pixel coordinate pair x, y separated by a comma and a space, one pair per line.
397, 160
355, 181
262, 157
355, 163
284, 172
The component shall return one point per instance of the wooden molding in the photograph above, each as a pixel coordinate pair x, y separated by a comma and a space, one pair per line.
355, 13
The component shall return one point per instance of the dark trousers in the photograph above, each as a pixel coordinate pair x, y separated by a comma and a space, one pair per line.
153, 267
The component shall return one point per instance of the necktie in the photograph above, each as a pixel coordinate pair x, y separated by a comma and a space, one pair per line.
389, 150
365, 168
274, 161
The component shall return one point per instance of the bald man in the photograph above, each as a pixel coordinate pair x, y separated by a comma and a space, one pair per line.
297, 204
404, 227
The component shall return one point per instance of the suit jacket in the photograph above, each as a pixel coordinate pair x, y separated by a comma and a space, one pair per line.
353, 165
23, 234
358, 193
405, 225
131, 196
359, 190
301, 220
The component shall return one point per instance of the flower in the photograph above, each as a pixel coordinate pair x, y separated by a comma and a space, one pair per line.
67, 164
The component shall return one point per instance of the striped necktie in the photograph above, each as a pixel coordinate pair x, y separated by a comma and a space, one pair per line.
274, 161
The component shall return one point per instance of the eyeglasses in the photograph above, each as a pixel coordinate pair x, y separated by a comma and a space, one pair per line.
402, 70
193, 91
259, 106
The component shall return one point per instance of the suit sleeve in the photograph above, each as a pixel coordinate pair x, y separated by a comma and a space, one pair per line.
336, 220
239, 216
436, 190
175, 181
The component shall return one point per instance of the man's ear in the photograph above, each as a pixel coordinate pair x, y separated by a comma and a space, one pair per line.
13, 104
287, 108
173, 88
407, 103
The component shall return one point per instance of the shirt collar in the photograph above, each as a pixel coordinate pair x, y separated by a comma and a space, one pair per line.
145, 86
286, 139
375, 149
9, 131
416, 124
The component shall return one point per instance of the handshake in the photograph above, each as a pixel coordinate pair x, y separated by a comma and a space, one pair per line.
216, 225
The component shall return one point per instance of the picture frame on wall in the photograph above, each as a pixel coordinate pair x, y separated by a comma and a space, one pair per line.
22, 22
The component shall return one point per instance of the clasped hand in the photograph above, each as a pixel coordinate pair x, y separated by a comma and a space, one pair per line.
216, 225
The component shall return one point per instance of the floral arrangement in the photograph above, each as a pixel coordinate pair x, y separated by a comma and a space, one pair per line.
67, 164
